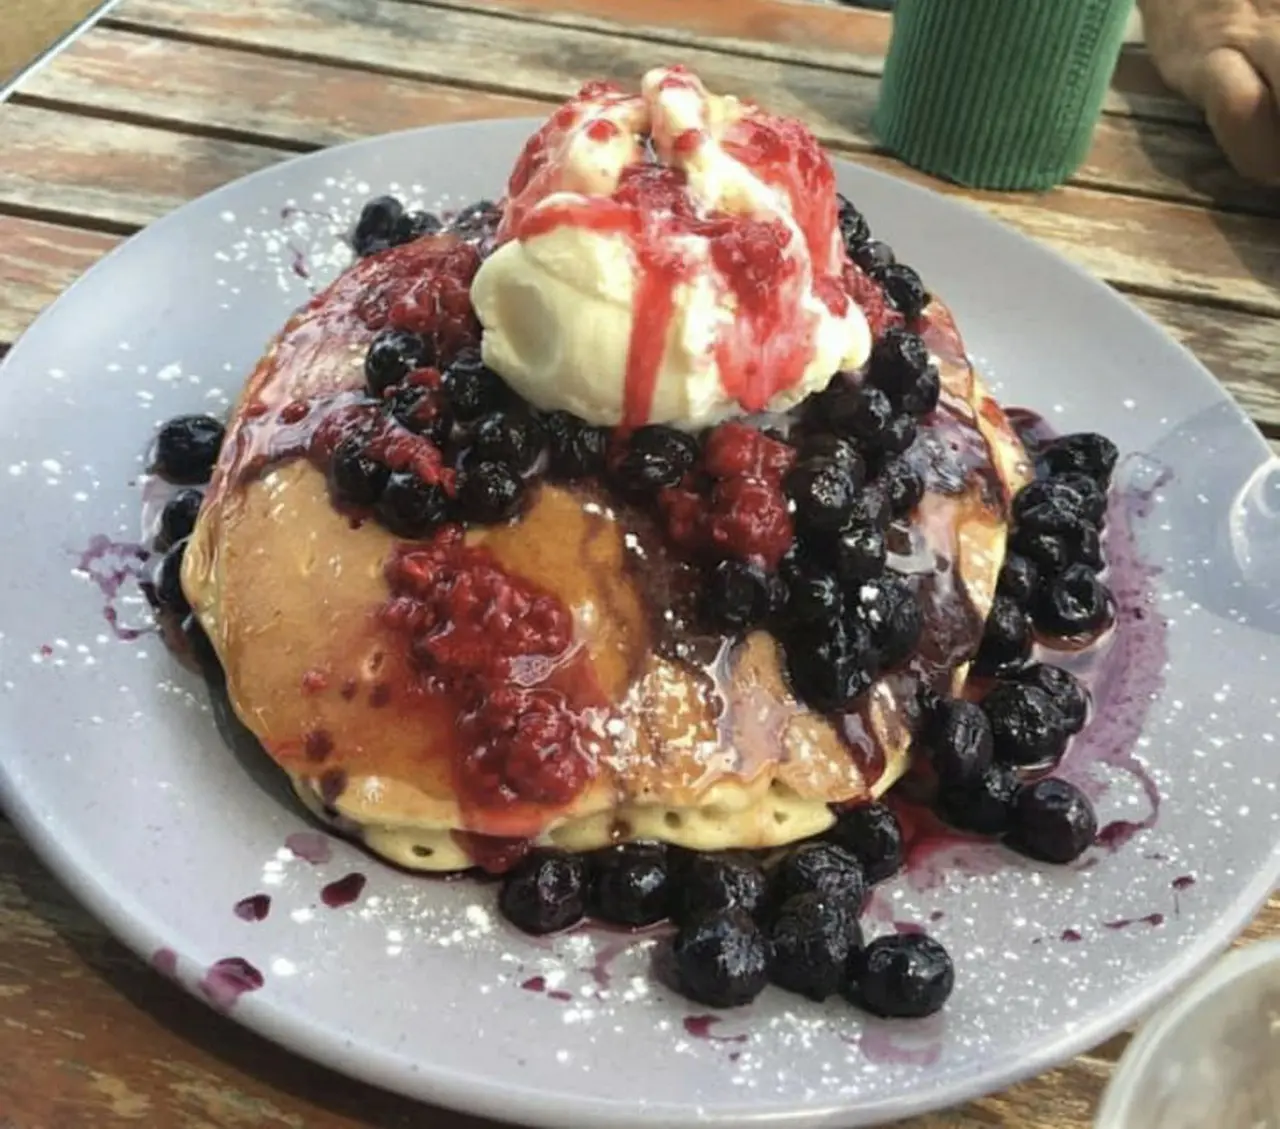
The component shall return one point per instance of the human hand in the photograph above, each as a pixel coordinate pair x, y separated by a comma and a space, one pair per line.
1224, 55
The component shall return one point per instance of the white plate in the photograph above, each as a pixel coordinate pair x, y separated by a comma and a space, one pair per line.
112, 766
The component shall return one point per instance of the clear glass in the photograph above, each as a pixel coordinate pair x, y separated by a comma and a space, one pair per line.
1210, 1059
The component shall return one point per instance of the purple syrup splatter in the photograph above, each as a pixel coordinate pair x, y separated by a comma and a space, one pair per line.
165, 962
253, 908
601, 969
298, 263
310, 846
1152, 919
110, 565
535, 984
1071, 935
1128, 673
343, 891
1183, 882
908, 928
229, 979
699, 1027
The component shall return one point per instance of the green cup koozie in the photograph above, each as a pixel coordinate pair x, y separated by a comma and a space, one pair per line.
998, 93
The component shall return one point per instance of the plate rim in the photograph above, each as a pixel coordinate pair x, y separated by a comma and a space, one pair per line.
496, 1097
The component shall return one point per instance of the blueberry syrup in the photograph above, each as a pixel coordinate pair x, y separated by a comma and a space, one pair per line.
1184, 882
934, 852
310, 846
229, 979
111, 566
1152, 919
907, 927
343, 891
700, 1027
601, 968
165, 962
1071, 935
539, 984
1128, 673
253, 908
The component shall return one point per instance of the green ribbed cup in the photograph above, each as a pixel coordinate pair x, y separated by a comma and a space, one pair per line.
998, 93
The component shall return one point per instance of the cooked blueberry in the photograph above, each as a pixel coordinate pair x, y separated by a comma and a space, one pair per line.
1058, 505
820, 868
358, 479
1086, 549
828, 445
1092, 498
167, 581
822, 491
513, 438
421, 411
859, 555
900, 367
721, 959
1073, 603
1063, 687
1084, 452
982, 806
958, 739
200, 647
871, 508
186, 449
899, 435
830, 664
873, 835
1026, 727
1049, 552
178, 518
854, 229
475, 219
863, 413
904, 485
629, 884
392, 355
489, 493
891, 610
872, 254
654, 457
472, 388
902, 976
545, 892
410, 507
709, 883
736, 596
813, 592
414, 225
1018, 579
813, 938
375, 230
903, 288
577, 450
1006, 638
1052, 820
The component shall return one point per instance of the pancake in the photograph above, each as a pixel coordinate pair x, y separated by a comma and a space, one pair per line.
708, 753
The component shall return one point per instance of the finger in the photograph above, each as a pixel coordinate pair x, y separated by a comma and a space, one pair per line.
1243, 113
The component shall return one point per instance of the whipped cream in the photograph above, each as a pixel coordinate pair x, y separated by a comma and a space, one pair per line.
682, 282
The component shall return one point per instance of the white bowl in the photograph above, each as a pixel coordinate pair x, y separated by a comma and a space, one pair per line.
1211, 1058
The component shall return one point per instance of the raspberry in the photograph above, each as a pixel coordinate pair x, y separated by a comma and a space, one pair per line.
748, 519
734, 450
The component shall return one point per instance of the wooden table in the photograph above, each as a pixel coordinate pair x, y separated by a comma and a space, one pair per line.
166, 99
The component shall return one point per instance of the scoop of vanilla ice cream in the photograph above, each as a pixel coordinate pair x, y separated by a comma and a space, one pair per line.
558, 298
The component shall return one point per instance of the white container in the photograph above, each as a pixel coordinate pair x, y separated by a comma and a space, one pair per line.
1211, 1058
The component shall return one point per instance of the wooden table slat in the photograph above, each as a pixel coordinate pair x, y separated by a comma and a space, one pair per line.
122, 73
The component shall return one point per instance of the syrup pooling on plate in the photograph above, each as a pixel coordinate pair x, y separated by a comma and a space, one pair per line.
595, 657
